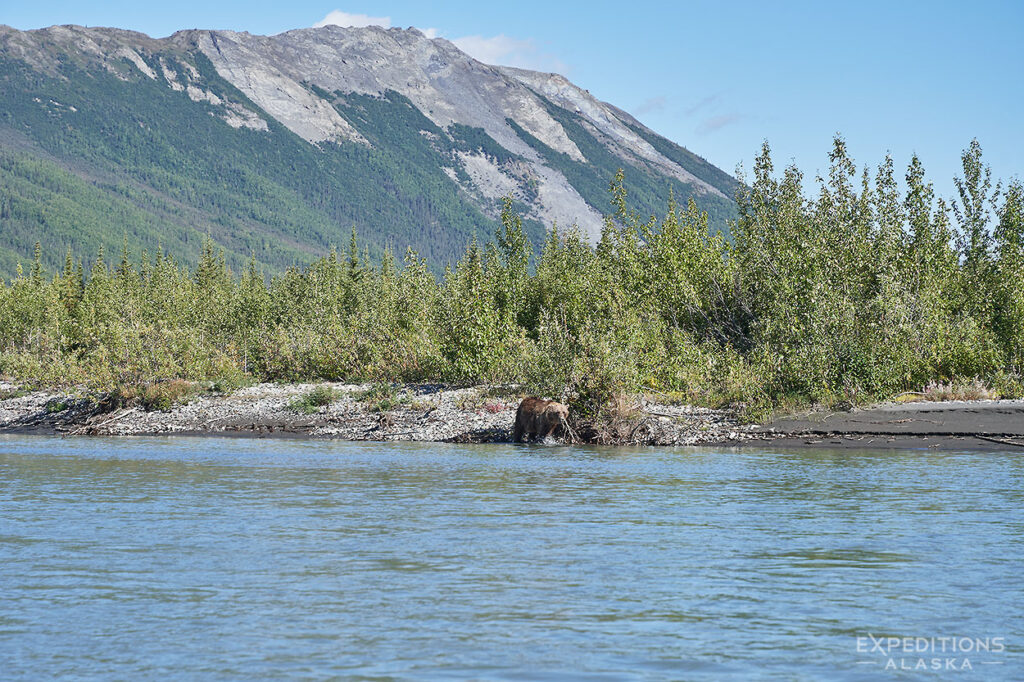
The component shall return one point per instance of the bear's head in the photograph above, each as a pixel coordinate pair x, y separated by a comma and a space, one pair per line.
557, 413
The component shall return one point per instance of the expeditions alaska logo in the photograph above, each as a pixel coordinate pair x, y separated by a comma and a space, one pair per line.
930, 653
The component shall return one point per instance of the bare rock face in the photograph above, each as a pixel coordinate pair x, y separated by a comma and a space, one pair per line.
444, 83
605, 119
241, 62
290, 77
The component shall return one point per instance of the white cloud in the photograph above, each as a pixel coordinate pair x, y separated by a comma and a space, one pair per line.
715, 123
339, 18
706, 102
430, 32
506, 51
650, 105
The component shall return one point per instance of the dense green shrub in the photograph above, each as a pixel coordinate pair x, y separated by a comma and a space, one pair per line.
312, 401
860, 292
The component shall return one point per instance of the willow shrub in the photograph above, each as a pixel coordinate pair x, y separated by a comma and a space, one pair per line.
859, 291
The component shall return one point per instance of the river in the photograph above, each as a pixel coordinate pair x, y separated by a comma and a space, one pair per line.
205, 558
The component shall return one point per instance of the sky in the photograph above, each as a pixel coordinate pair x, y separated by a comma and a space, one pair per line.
719, 78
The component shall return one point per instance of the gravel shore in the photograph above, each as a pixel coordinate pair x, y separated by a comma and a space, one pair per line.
430, 412
423, 413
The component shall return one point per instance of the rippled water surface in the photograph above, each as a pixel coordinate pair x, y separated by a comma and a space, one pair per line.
247, 559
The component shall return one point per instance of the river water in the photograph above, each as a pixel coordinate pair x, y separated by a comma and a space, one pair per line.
268, 559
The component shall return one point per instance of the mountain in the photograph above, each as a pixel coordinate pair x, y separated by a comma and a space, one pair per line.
278, 146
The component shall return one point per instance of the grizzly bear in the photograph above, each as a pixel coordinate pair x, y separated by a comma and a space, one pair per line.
538, 417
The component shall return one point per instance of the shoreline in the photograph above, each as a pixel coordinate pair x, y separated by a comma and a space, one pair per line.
986, 425
485, 414
418, 412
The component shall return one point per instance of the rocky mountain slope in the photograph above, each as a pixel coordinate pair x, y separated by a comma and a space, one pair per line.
277, 146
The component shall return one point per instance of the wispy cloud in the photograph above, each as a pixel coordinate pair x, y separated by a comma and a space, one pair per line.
650, 105
500, 49
716, 123
339, 18
507, 51
704, 103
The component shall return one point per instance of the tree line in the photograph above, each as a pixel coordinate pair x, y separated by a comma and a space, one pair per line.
858, 292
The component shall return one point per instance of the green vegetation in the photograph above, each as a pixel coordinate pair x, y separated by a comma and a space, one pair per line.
940, 392
88, 158
152, 395
861, 292
312, 402
383, 397
54, 406
700, 167
7, 394
91, 158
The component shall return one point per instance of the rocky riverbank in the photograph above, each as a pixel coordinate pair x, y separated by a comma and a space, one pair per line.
486, 414
349, 412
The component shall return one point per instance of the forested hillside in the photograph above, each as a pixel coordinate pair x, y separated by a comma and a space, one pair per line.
109, 137
157, 168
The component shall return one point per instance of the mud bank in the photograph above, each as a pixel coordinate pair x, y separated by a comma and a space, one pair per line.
952, 425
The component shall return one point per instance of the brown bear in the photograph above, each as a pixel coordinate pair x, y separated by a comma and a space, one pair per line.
538, 417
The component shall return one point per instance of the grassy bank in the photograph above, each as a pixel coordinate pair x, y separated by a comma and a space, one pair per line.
861, 292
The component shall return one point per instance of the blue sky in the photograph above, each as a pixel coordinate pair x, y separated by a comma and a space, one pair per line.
719, 78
